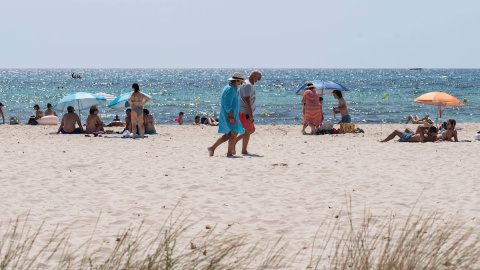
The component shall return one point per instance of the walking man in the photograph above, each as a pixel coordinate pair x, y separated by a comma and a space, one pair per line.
246, 96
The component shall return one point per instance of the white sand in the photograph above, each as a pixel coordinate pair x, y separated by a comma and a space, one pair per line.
289, 188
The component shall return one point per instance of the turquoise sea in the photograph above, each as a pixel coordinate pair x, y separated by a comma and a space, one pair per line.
198, 91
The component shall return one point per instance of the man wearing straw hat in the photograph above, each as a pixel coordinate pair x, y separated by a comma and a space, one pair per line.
246, 96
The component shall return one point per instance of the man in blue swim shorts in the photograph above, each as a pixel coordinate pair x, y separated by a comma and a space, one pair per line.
423, 134
405, 137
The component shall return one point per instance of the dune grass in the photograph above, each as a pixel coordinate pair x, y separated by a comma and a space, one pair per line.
422, 241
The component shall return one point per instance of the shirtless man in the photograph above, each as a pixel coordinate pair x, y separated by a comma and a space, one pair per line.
68, 123
342, 107
49, 111
423, 134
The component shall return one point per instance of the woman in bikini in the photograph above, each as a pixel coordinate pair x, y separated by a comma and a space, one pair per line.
450, 133
148, 122
38, 115
136, 101
93, 121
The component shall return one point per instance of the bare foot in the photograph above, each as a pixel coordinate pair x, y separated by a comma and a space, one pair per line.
210, 151
245, 153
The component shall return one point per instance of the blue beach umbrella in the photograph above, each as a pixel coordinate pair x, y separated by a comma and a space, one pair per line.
324, 87
121, 102
79, 101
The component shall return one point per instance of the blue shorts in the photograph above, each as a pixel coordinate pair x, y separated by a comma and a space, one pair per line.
346, 119
405, 137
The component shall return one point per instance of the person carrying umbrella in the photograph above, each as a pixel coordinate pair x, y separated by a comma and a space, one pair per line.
136, 100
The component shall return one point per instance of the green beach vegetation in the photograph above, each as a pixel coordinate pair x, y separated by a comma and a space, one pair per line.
422, 241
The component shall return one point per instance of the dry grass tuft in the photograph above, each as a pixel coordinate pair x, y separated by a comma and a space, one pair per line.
423, 241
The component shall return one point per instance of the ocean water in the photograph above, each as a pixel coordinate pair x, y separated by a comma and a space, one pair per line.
198, 92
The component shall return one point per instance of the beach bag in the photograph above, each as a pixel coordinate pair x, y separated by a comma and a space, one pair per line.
347, 128
328, 125
14, 120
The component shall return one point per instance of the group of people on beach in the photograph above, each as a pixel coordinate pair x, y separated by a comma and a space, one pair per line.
39, 114
427, 133
207, 121
236, 118
138, 120
312, 111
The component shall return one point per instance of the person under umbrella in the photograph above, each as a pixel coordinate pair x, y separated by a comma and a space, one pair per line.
313, 109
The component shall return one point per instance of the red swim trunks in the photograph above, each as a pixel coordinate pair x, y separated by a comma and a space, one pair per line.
245, 123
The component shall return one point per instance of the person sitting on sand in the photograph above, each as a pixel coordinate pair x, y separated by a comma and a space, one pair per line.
128, 120
205, 121
423, 134
148, 122
450, 133
116, 122
49, 111
418, 120
68, 123
1, 112
38, 114
94, 124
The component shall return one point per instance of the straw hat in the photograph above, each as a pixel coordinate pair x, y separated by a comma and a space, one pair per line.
310, 85
237, 76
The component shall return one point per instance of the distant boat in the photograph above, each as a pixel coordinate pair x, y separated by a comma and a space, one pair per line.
416, 69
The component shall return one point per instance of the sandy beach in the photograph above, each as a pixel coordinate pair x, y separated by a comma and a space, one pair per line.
289, 186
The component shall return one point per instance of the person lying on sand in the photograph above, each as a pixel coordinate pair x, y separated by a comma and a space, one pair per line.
116, 122
205, 121
423, 134
418, 120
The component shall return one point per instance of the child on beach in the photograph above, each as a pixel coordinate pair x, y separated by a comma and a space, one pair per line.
179, 120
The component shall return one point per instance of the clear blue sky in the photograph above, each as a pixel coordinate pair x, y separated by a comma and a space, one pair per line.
248, 33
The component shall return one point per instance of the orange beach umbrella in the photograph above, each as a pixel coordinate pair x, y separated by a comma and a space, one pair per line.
439, 99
